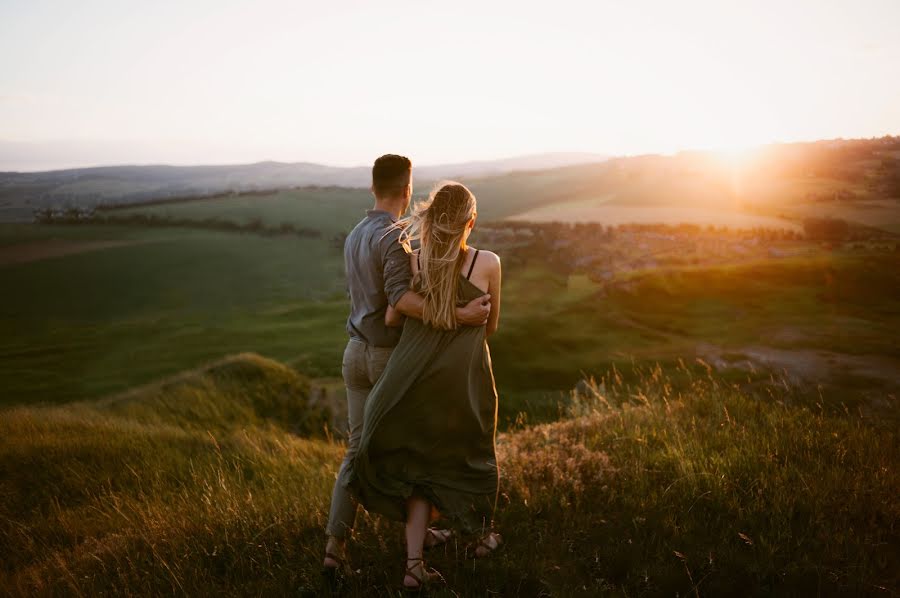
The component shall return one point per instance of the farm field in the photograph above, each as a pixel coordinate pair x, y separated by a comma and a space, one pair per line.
883, 214
92, 322
616, 214
329, 210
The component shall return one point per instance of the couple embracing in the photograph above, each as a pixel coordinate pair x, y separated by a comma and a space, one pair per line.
422, 405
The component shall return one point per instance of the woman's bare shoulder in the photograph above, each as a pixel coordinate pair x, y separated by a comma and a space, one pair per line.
487, 259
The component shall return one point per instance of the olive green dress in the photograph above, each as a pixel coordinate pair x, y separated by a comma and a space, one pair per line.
430, 425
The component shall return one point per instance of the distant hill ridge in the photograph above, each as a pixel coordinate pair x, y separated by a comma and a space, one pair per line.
854, 179
22, 192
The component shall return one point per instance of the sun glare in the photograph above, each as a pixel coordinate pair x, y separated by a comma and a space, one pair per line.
735, 162
737, 157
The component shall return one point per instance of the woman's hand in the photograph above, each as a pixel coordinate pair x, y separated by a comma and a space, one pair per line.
393, 318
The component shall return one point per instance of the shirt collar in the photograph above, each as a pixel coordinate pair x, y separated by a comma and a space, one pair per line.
377, 213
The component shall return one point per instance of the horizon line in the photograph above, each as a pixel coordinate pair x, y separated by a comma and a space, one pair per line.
601, 157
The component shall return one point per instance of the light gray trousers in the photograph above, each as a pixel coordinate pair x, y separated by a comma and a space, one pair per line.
361, 367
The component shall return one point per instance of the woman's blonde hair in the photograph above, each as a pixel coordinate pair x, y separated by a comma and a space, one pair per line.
439, 224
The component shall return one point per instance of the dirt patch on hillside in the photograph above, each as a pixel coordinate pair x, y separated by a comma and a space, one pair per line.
43, 250
804, 365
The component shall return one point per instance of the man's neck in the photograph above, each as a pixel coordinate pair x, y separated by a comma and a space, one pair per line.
391, 207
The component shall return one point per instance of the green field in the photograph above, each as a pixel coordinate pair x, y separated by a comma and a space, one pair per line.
335, 210
83, 325
87, 324
330, 210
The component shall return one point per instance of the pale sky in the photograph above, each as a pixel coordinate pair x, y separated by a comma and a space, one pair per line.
194, 81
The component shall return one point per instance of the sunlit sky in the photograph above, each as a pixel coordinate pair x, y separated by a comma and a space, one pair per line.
195, 81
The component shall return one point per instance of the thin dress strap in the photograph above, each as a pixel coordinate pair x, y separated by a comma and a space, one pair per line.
472, 266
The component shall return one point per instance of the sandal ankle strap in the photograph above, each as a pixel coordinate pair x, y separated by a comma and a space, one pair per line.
409, 570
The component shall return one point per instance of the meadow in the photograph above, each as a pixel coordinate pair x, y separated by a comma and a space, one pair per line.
218, 481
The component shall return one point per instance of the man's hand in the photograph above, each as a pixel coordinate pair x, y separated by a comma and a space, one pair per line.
475, 313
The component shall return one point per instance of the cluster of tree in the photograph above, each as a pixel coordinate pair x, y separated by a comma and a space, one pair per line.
107, 206
65, 215
833, 230
254, 225
581, 231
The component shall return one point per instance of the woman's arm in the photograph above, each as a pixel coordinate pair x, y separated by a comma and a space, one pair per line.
494, 278
393, 318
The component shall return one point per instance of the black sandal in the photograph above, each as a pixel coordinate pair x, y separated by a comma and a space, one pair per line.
431, 576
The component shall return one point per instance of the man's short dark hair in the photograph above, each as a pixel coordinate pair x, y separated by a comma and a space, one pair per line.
390, 174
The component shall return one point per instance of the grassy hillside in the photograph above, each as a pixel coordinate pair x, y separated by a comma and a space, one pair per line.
198, 486
733, 429
830, 313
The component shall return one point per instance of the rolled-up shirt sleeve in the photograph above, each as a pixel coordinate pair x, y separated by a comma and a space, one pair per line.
397, 271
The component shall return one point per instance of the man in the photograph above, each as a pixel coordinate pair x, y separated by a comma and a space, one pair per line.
378, 274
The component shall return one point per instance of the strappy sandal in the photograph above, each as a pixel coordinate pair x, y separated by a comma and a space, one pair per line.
484, 546
438, 537
430, 578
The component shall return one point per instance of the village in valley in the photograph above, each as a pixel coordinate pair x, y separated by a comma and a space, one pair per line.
611, 255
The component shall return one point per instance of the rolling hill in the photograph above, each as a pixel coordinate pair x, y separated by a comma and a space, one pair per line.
772, 186
23, 192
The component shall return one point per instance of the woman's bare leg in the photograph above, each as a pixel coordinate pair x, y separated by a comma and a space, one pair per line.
418, 511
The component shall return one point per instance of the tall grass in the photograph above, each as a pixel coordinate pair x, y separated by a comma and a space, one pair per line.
195, 487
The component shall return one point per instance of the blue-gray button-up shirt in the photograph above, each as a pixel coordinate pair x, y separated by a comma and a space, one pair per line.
378, 273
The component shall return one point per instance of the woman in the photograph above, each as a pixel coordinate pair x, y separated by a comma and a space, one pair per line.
430, 422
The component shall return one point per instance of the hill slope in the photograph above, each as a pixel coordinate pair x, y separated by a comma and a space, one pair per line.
640, 490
